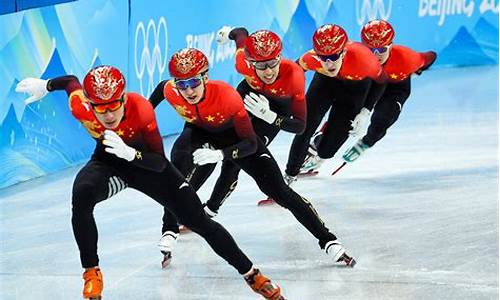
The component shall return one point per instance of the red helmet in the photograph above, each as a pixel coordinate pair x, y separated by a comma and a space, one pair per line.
104, 84
377, 33
329, 39
263, 45
187, 63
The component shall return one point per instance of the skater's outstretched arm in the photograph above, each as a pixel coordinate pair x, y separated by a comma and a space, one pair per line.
157, 96
152, 157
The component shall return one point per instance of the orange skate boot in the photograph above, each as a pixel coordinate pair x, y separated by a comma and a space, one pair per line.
263, 286
92, 286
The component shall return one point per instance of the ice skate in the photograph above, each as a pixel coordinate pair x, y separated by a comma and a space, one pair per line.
267, 201
92, 286
289, 179
355, 151
210, 213
311, 165
338, 253
263, 286
166, 245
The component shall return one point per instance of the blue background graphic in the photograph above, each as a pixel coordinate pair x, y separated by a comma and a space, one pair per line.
139, 39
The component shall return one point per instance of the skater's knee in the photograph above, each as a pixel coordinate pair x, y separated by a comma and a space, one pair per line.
202, 225
84, 197
326, 153
283, 195
381, 120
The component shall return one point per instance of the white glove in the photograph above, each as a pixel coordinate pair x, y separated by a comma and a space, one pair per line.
222, 36
258, 105
117, 147
37, 88
205, 156
359, 122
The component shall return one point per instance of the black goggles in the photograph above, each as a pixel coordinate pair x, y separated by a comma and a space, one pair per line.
184, 84
332, 58
262, 65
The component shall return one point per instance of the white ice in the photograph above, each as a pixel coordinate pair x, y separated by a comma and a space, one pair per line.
419, 212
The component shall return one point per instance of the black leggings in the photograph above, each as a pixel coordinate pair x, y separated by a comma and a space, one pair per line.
262, 167
182, 156
344, 99
386, 111
99, 180
228, 178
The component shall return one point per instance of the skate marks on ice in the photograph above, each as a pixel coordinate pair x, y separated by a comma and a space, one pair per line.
419, 212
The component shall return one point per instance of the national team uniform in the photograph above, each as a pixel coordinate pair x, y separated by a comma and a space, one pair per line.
286, 97
149, 172
401, 64
221, 121
359, 82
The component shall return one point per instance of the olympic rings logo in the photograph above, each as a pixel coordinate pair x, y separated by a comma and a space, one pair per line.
151, 59
372, 9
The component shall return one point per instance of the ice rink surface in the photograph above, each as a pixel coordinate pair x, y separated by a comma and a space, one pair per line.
419, 212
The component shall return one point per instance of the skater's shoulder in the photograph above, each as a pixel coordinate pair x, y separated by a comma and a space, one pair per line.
309, 61
291, 71
220, 88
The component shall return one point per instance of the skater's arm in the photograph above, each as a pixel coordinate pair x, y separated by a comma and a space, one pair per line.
248, 140
38, 88
242, 65
239, 35
146, 152
296, 122
376, 91
145, 158
154, 158
158, 94
69, 83
309, 61
149, 160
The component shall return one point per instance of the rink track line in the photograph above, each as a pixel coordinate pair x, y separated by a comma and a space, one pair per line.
493, 285
130, 274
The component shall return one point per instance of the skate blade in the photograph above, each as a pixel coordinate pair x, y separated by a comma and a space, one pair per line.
265, 202
339, 168
95, 298
349, 261
167, 258
307, 174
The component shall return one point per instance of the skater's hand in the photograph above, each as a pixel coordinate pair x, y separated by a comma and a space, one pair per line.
117, 146
205, 156
258, 105
207, 146
36, 88
222, 36
359, 123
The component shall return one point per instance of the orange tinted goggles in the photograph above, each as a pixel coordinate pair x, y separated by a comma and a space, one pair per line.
105, 107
